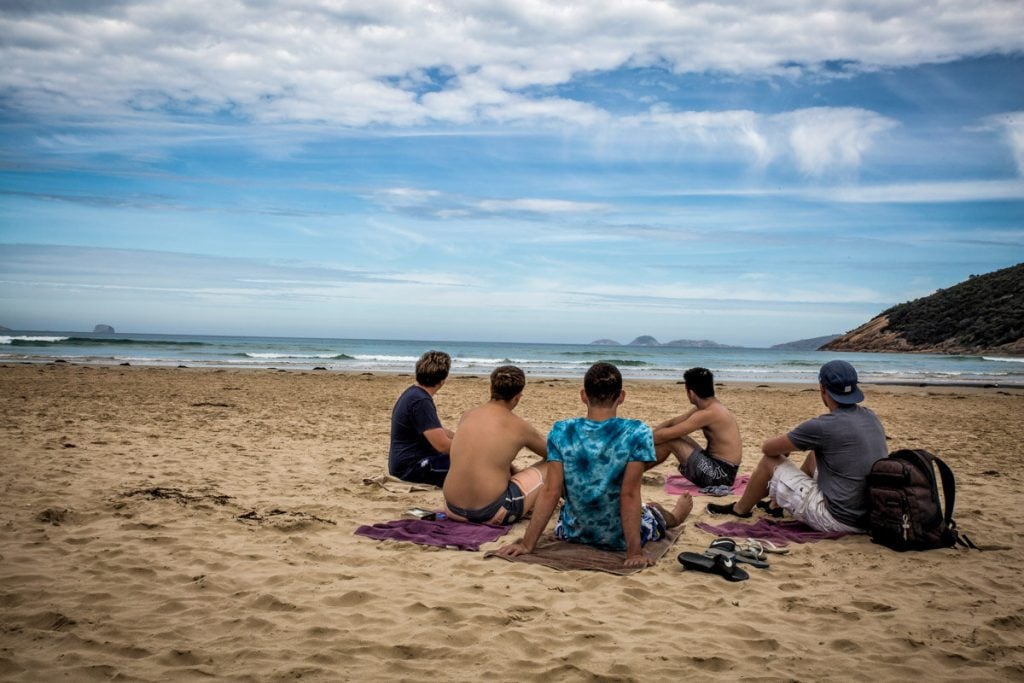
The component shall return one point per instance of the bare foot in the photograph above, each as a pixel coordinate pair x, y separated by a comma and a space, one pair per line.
679, 512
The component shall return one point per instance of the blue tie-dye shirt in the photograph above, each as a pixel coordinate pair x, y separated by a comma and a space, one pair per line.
594, 457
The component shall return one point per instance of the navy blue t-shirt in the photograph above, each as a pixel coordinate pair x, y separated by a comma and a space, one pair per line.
413, 414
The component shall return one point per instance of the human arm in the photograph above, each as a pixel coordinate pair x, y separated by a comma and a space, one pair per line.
440, 438
542, 511
674, 420
683, 425
535, 441
778, 445
629, 511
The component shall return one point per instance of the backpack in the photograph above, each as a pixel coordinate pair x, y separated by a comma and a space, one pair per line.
906, 512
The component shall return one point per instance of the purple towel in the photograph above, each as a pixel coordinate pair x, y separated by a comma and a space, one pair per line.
780, 532
445, 533
676, 484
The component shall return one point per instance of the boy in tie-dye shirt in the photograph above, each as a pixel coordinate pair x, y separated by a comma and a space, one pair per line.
597, 464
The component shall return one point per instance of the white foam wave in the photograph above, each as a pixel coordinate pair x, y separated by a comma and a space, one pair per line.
1003, 360
8, 339
386, 359
275, 356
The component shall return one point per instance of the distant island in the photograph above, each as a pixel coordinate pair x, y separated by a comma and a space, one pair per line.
647, 340
812, 344
103, 329
982, 315
5, 329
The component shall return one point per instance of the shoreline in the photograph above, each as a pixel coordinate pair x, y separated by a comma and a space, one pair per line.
313, 368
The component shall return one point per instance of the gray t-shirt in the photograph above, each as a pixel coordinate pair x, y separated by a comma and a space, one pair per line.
846, 443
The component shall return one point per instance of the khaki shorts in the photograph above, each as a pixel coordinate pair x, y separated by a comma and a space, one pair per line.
800, 496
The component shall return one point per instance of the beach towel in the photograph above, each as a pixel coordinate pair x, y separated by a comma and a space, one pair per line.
676, 484
564, 556
780, 532
396, 485
443, 534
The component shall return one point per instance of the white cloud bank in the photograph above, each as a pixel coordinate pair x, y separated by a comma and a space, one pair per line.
402, 63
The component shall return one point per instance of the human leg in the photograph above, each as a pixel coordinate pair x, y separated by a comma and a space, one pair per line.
799, 495
706, 471
429, 470
531, 482
681, 448
679, 512
757, 487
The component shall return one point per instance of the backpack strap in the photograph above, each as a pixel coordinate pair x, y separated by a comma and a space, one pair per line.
949, 493
948, 489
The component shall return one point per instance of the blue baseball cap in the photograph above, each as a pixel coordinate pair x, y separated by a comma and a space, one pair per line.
840, 381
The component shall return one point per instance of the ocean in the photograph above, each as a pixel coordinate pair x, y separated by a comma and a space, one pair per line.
479, 358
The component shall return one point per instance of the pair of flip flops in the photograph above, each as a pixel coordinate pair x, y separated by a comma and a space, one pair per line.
723, 565
724, 554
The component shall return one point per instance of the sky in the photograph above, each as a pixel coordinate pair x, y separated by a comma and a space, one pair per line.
503, 170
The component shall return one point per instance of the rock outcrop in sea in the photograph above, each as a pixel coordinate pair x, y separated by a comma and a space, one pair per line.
644, 340
103, 329
647, 340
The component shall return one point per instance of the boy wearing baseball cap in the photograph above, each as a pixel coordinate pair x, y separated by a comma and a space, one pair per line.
828, 491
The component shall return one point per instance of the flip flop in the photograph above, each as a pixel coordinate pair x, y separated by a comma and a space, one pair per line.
713, 564
723, 544
738, 556
765, 546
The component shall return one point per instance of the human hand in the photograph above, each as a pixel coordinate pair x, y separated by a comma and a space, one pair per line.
639, 560
514, 549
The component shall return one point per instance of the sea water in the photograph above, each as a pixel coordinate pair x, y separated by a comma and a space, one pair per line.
479, 358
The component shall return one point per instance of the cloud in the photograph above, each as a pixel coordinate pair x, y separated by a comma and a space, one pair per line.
822, 139
817, 140
410, 64
440, 205
1011, 124
922, 192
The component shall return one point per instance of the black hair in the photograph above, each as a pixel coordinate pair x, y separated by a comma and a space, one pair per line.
700, 381
602, 384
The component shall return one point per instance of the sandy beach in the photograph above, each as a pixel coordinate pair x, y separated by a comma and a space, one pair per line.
182, 524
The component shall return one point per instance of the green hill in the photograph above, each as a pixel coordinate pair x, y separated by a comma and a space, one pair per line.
983, 314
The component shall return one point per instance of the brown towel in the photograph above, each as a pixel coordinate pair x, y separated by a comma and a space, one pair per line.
564, 556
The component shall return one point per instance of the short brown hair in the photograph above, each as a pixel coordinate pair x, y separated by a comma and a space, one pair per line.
602, 384
432, 368
507, 382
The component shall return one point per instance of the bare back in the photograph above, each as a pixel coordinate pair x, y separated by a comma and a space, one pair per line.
722, 433
486, 442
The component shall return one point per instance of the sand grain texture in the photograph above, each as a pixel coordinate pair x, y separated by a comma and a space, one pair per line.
163, 524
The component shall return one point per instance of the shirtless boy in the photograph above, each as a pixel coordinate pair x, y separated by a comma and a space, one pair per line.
718, 462
482, 486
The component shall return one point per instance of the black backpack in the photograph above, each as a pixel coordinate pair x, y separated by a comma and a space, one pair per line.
906, 511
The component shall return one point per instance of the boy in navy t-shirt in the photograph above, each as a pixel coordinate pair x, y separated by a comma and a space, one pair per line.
419, 442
